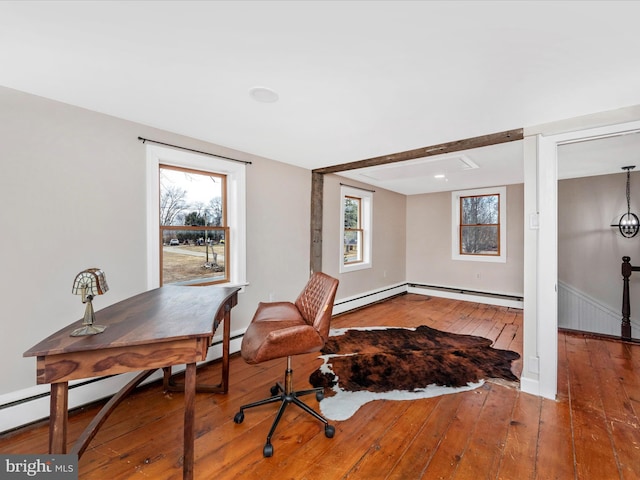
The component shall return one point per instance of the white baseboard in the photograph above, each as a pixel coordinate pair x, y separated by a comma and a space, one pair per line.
343, 305
529, 385
361, 300
468, 296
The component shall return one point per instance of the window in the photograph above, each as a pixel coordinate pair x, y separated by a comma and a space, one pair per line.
352, 230
355, 231
479, 225
196, 218
193, 228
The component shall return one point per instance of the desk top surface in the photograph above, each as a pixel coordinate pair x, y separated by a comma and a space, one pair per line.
159, 315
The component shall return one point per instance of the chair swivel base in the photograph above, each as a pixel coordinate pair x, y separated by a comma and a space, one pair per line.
280, 394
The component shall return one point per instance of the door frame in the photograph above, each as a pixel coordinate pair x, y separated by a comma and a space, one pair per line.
540, 365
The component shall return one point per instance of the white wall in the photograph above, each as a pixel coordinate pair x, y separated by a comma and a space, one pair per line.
388, 249
278, 233
429, 247
589, 250
72, 187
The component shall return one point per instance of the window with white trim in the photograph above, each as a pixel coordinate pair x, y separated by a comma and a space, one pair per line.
356, 208
479, 225
210, 229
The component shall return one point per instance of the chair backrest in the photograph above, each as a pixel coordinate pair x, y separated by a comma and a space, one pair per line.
315, 302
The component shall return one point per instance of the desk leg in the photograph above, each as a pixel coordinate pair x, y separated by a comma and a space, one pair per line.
226, 338
189, 421
58, 417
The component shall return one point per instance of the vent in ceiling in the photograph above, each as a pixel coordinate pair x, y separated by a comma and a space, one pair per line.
421, 167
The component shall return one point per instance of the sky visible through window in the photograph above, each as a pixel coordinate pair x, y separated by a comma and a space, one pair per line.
201, 189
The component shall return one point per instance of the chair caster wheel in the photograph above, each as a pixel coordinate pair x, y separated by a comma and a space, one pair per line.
275, 390
239, 418
319, 396
329, 431
267, 451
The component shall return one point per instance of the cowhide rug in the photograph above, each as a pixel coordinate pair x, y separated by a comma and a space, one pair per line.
361, 365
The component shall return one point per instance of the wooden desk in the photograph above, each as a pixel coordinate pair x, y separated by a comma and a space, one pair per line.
171, 325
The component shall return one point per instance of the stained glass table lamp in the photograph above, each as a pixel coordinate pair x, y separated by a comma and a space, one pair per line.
89, 283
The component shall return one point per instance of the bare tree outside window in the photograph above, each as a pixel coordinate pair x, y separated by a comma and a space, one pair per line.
172, 203
480, 225
193, 230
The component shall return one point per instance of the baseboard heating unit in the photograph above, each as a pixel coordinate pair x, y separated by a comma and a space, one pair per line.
490, 298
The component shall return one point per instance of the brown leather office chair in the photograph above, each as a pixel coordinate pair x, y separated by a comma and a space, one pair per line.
284, 329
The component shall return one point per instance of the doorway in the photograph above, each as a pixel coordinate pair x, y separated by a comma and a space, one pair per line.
541, 253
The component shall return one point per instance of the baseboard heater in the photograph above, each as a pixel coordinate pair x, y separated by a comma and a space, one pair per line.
366, 295
459, 293
344, 305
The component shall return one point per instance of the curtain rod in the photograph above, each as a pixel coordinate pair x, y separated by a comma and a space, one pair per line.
358, 188
145, 140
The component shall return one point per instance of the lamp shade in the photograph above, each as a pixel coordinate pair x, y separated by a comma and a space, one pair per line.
91, 281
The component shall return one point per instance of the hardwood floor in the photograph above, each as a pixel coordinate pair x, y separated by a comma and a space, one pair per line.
592, 431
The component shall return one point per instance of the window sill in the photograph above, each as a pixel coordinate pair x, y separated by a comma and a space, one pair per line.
354, 267
480, 258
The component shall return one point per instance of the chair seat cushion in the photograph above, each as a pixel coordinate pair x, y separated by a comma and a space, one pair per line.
278, 330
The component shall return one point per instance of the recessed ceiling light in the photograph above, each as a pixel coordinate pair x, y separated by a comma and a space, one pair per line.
263, 94
439, 175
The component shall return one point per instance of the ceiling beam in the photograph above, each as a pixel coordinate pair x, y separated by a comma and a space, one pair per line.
442, 148
317, 180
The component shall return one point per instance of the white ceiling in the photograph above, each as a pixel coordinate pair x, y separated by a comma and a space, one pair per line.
355, 79
498, 164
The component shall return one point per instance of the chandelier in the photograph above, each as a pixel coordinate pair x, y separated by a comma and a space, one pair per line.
628, 223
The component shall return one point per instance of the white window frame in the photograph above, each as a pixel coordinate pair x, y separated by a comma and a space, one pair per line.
366, 223
455, 224
236, 207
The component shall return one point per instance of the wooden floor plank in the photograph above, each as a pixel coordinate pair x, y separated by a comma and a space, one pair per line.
407, 422
455, 441
337, 457
486, 441
505, 339
594, 451
563, 370
555, 449
427, 440
520, 447
613, 394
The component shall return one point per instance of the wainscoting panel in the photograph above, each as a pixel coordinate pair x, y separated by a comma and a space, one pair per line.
579, 311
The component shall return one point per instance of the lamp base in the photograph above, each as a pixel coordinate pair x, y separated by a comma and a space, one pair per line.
88, 330
88, 327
